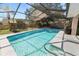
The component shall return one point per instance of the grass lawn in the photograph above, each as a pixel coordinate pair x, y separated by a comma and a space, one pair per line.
5, 31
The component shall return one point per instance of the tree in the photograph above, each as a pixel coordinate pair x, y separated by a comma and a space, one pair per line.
7, 10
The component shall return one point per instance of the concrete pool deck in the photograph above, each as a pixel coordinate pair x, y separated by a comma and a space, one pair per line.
69, 47
6, 50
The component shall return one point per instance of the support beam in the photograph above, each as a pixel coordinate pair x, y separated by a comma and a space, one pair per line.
32, 11
43, 6
36, 8
74, 25
16, 11
39, 14
33, 6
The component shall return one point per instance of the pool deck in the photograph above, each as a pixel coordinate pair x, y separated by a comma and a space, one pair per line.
6, 50
69, 47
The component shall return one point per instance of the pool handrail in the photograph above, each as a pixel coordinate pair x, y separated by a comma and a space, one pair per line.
59, 48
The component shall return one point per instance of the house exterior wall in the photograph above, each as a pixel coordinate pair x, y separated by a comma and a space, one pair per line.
74, 25
73, 10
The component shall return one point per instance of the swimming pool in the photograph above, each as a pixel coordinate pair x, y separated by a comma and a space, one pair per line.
32, 43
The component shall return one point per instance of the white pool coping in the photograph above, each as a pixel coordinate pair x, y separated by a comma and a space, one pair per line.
9, 51
6, 35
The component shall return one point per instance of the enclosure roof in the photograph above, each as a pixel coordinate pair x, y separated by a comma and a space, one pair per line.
27, 9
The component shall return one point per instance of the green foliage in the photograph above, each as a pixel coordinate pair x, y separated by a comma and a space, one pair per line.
5, 31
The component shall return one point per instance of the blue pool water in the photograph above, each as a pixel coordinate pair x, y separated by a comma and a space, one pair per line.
32, 43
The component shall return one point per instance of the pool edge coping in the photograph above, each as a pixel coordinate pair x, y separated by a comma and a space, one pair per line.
22, 32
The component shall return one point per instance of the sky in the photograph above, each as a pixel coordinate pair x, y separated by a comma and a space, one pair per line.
13, 7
